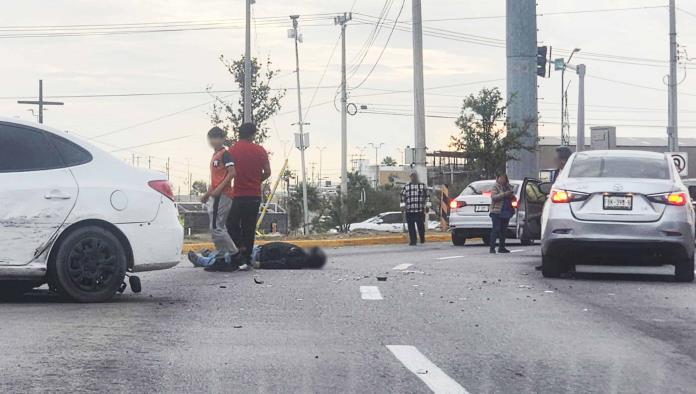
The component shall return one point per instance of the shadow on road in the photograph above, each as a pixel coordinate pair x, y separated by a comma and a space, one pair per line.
40, 296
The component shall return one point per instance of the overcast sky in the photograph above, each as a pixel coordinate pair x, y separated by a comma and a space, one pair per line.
621, 49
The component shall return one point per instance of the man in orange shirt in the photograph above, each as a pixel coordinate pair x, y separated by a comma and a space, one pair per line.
218, 199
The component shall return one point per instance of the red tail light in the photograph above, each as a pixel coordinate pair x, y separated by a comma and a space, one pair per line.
515, 204
564, 196
163, 187
560, 196
454, 204
487, 194
678, 199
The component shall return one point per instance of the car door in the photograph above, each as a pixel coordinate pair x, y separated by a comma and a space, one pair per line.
37, 193
533, 196
392, 222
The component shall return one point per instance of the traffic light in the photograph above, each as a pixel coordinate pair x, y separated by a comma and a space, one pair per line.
541, 61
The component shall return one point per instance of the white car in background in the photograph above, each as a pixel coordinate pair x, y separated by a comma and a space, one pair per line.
392, 222
77, 217
470, 213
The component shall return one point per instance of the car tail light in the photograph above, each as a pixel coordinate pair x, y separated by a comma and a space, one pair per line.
678, 199
455, 204
515, 204
565, 196
164, 187
487, 194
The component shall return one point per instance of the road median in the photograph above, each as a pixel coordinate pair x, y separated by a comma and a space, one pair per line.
332, 242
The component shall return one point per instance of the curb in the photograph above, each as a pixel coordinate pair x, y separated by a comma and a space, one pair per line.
331, 243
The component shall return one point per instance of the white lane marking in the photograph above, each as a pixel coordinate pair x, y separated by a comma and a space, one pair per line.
370, 293
608, 269
436, 379
517, 250
449, 258
402, 266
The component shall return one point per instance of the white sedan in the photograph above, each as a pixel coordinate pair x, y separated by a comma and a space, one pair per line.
392, 222
77, 217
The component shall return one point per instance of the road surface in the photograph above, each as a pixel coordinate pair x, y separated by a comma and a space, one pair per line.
447, 319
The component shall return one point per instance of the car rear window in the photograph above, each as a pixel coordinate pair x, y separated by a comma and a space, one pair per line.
481, 187
619, 167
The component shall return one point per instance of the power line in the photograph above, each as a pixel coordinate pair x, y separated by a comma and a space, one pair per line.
152, 143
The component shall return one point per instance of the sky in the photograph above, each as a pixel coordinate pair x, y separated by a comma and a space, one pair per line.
625, 51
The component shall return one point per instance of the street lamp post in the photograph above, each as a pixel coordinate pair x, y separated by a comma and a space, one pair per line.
565, 139
321, 150
376, 147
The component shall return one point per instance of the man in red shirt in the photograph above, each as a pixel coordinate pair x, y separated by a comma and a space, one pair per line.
252, 168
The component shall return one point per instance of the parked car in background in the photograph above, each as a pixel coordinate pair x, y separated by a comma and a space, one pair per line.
469, 213
77, 217
616, 207
392, 222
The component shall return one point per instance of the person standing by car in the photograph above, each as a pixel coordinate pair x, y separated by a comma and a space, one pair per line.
252, 168
560, 159
222, 171
502, 196
414, 198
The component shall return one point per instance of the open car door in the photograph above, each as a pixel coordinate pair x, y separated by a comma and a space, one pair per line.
530, 207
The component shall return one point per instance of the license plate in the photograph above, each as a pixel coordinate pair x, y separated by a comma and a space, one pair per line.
619, 203
481, 208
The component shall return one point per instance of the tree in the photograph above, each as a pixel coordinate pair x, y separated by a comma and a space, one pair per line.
229, 115
199, 187
389, 161
487, 139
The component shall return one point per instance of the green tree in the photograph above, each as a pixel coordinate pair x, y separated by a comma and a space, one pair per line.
294, 208
199, 187
389, 161
486, 138
229, 114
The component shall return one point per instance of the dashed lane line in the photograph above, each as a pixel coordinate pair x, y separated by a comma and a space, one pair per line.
370, 293
449, 258
402, 267
435, 378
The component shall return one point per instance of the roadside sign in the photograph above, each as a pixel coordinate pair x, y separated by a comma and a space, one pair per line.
559, 64
681, 161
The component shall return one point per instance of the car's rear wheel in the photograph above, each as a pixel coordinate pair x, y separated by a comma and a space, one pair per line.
89, 266
552, 267
527, 242
684, 270
11, 289
458, 238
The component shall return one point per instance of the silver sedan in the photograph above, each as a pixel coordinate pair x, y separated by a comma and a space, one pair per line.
618, 208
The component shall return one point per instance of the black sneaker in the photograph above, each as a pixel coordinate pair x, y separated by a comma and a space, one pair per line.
221, 266
492, 251
503, 250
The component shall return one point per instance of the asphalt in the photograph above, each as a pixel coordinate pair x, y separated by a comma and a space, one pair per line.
485, 323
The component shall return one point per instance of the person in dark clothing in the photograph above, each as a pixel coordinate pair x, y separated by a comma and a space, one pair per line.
414, 200
501, 209
560, 159
252, 168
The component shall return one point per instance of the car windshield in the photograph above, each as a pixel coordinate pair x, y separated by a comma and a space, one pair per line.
585, 166
482, 187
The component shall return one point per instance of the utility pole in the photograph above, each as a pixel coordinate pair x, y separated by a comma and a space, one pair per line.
321, 150
580, 138
247, 65
343, 21
40, 102
419, 91
521, 54
167, 168
302, 146
672, 124
149, 162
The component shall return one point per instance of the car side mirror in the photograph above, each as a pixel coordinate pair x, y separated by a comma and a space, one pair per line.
545, 187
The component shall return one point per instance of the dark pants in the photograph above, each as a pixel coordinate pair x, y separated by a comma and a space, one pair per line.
498, 230
241, 222
416, 220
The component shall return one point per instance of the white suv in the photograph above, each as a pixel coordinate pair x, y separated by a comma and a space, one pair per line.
77, 217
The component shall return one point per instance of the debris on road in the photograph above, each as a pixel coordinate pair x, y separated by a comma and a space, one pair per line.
223, 286
382, 278
258, 281
422, 371
237, 326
